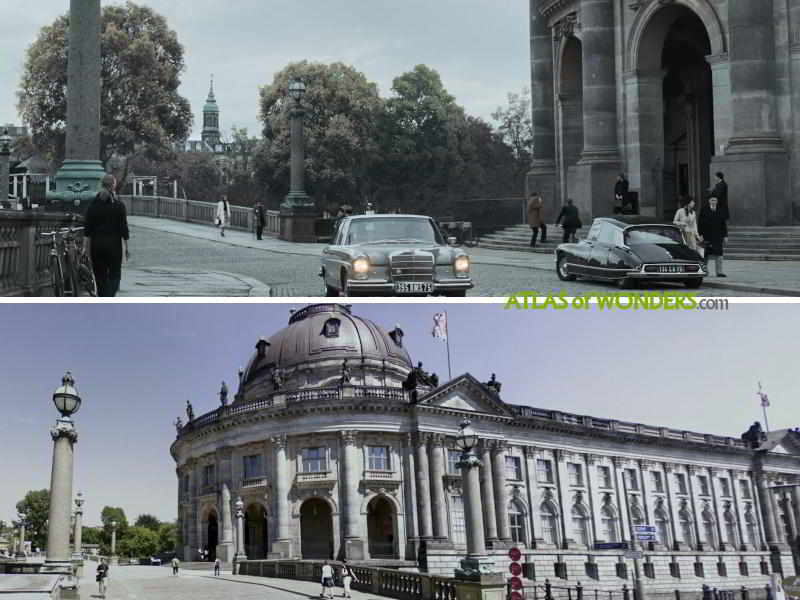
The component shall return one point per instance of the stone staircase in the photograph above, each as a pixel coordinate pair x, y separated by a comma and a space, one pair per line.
744, 243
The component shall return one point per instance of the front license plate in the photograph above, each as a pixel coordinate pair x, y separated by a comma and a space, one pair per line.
413, 287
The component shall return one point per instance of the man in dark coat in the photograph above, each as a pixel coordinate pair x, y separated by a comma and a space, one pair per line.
714, 230
571, 221
106, 231
720, 192
259, 217
621, 193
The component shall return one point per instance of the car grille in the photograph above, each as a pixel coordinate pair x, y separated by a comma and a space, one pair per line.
412, 267
672, 268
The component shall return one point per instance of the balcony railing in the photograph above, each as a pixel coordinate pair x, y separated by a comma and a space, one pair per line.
254, 482
316, 478
380, 475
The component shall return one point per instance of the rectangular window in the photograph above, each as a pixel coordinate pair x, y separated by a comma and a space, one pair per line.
544, 470
378, 458
680, 480
513, 468
703, 481
252, 466
459, 531
604, 473
725, 486
314, 460
631, 479
658, 482
575, 474
453, 458
208, 475
744, 486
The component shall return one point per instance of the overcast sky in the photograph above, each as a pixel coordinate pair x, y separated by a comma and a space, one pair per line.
479, 47
137, 364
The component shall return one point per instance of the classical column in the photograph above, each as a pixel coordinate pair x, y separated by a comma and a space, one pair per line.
64, 437
77, 543
623, 501
542, 176
411, 488
765, 502
423, 488
240, 551
79, 177
21, 541
787, 510
500, 492
738, 508
794, 494
531, 487
672, 499
225, 547
487, 493
722, 534
5, 153
113, 541
438, 508
282, 544
354, 544
594, 496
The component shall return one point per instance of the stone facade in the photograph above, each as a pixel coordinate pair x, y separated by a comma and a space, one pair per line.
669, 92
358, 459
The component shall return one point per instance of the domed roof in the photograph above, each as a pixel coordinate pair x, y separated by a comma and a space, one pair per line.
323, 332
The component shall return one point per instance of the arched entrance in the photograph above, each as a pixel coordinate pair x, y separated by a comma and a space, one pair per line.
570, 108
675, 109
316, 529
381, 528
212, 536
255, 532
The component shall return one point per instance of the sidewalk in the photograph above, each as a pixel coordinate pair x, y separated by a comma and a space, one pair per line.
162, 282
766, 277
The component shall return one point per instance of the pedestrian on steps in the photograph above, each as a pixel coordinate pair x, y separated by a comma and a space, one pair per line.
535, 210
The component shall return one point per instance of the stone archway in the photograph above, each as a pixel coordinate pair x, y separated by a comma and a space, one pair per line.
570, 109
255, 532
316, 529
381, 528
212, 535
677, 104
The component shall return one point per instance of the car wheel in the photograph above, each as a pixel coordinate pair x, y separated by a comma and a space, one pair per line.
561, 268
344, 287
693, 284
455, 294
626, 283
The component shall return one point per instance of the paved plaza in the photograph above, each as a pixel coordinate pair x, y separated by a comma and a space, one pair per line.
235, 262
158, 583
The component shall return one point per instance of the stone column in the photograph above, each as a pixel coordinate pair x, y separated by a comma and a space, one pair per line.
240, 551
677, 533
755, 158
411, 488
354, 544
594, 175
225, 547
623, 499
500, 492
593, 495
77, 544
477, 563
438, 507
297, 209
542, 176
794, 494
5, 153
487, 494
113, 541
21, 542
787, 509
79, 177
738, 508
767, 507
64, 437
423, 488
282, 544
716, 502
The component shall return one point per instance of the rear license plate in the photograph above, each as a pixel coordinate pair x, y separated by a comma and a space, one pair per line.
413, 287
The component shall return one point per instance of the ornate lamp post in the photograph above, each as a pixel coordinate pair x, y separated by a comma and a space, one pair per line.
77, 544
5, 153
64, 436
240, 554
114, 559
21, 542
297, 210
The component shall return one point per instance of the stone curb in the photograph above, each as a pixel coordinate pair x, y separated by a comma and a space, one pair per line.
255, 287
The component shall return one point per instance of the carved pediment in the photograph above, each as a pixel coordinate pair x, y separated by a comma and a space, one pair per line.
465, 393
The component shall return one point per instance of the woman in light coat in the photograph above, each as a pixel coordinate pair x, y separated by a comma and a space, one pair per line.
686, 220
223, 215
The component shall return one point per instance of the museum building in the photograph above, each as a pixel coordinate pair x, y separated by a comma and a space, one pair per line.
669, 92
338, 446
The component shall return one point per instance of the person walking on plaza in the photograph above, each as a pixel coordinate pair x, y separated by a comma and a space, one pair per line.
217, 565
102, 575
348, 577
259, 218
175, 565
686, 220
714, 231
223, 214
106, 237
720, 192
327, 581
535, 208
571, 221
621, 193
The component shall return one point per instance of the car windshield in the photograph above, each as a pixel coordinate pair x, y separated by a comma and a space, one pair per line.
653, 234
392, 230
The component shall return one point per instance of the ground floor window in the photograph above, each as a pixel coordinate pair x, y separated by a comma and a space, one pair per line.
458, 529
517, 523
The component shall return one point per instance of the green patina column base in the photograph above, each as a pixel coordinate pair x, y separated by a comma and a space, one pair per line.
298, 218
77, 183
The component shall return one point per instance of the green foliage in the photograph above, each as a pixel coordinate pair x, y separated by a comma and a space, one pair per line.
167, 537
138, 542
516, 127
141, 110
92, 535
36, 507
110, 514
148, 521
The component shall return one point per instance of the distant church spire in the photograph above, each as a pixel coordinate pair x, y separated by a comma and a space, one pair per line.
211, 131
211, 90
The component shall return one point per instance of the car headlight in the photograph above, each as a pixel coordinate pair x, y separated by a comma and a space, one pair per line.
461, 264
361, 266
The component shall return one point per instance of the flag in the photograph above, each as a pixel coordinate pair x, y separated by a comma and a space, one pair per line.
764, 399
440, 326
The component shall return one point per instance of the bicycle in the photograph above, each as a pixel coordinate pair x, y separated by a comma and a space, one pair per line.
70, 268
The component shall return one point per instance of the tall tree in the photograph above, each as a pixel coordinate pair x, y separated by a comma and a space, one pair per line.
148, 521
141, 109
167, 537
139, 542
110, 514
516, 128
36, 508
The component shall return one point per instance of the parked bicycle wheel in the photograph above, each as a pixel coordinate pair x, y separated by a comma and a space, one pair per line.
56, 276
86, 279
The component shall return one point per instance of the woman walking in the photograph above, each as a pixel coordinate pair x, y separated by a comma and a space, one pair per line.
102, 574
348, 577
223, 214
686, 220
571, 221
327, 581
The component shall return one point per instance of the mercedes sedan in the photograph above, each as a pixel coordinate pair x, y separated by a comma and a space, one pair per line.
626, 254
377, 255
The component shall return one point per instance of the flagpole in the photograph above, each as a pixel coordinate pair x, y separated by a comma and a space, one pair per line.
447, 340
762, 396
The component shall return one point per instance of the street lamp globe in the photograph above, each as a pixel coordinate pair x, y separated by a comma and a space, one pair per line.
296, 89
66, 396
5, 143
113, 524
467, 438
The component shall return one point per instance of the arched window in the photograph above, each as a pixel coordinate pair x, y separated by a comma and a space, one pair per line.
662, 526
608, 520
685, 521
636, 514
750, 527
547, 515
516, 520
730, 528
580, 525
708, 528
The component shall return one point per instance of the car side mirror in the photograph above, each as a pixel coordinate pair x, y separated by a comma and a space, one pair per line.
452, 240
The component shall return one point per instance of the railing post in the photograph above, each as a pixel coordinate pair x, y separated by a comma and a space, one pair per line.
158, 207
426, 585
26, 268
745, 593
548, 592
376, 581
579, 589
677, 595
